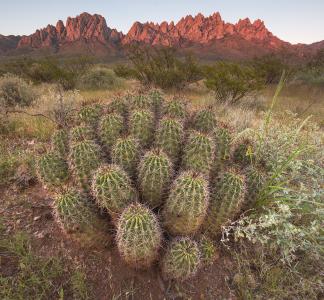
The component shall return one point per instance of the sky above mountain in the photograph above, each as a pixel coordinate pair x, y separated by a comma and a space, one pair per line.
295, 21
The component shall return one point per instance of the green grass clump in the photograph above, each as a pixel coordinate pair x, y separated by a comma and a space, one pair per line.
138, 236
60, 142
176, 109
141, 126
186, 206
84, 159
52, 169
126, 153
81, 133
182, 259
198, 153
155, 171
169, 138
78, 216
226, 201
204, 121
110, 129
90, 115
113, 189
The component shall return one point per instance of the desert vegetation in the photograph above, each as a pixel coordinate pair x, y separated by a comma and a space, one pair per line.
173, 176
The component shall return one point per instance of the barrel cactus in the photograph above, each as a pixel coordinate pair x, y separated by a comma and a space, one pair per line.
186, 207
255, 181
176, 109
226, 201
181, 260
242, 152
138, 236
154, 174
198, 153
208, 250
81, 133
110, 129
126, 153
142, 126
89, 115
52, 169
60, 142
79, 217
204, 121
169, 138
113, 189
84, 159
119, 106
157, 102
141, 102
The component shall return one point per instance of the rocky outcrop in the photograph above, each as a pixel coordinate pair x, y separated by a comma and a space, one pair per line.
208, 36
85, 27
200, 30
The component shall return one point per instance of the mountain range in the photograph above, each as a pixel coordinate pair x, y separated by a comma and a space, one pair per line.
209, 37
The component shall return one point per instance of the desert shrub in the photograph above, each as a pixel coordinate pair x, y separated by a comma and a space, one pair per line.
15, 92
99, 78
160, 67
230, 82
269, 67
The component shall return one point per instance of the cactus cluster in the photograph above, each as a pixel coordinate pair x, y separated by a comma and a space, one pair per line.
168, 179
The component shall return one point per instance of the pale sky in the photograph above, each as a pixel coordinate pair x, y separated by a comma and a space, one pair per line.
295, 21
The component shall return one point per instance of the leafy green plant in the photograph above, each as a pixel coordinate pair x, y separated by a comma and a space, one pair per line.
230, 82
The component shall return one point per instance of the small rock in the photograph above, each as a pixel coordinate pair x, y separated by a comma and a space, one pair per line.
37, 218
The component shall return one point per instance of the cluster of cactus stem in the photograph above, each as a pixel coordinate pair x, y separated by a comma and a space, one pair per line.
163, 174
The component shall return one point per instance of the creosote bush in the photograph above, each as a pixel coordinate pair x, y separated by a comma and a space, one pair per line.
169, 176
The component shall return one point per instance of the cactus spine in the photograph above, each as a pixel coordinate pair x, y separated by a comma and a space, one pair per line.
186, 206
255, 180
182, 259
226, 201
113, 189
205, 121
84, 159
60, 143
126, 153
110, 129
52, 169
138, 236
142, 126
169, 138
154, 177
198, 153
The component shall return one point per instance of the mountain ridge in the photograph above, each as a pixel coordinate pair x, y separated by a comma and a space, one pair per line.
206, 35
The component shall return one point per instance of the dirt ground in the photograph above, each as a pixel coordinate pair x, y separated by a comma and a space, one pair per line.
108, 276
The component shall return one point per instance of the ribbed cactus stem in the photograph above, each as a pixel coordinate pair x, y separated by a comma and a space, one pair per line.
113, 189
186, 206
155, 171
181, 260
81, 133
169, 138
126, 153
84, 159
176, 109
204, 121
60, 142
198, 153
90, 115
52, 169
141, 126
111, 128
138, 236
226, 201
